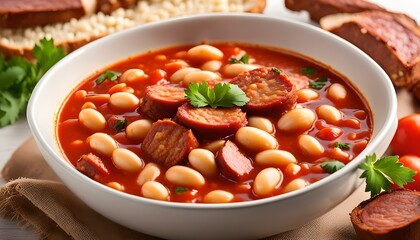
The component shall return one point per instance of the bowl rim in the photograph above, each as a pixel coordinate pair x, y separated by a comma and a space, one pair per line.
373, 143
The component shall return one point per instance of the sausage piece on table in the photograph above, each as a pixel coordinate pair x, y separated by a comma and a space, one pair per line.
389, 215
162, 101
268, 90
210, 122
232, 163
168, 143
92, 166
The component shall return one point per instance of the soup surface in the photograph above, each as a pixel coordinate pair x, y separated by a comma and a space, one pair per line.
279, 122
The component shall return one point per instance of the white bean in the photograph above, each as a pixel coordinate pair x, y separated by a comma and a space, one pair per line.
204, 52
126, 160
155, 190
132, 75
218, 196
149, 173
215, 145
185, 176
261, 123
116, 186
266, 181
88, 105
138, 129
102, 143
203, 161
300, 119
213, 65
200, 76
310, 145
295, 184
92, 119
329, 113
233, 70
179, 75
124, 100
306, 94
337, 92
255, 139
275, 158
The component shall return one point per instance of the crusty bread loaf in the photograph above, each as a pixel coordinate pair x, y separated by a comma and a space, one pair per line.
320, 8
75, 33
391, 39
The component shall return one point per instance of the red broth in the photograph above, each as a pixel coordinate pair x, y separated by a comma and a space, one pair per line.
354, 128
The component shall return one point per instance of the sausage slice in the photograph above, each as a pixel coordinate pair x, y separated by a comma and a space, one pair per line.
232, 163
210, 122
268, 90
92, 166
168, 143
390, 215
162, 101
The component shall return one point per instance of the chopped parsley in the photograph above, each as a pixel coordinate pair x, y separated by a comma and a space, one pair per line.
332, 166
222, 95
108, 74
243, 59
180, 190
308, 71
276, 70
342, 145
319, 83
120, 124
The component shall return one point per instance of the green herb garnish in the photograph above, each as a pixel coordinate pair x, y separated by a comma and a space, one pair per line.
319, 83
276, 70
180, 190
308, 71
342, 145
222, 95
120, 124
18, 78
381, 173
243, 59
108, 74
332, 166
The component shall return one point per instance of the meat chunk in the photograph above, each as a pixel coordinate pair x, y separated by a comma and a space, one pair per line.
392, 40
162, 101
31, 13
268, 90
168, 143
209, 122
92, 166
389, 215
232, 163
320, 8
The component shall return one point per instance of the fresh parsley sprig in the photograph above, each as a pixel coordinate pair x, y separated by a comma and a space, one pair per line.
381, 173
108, 74
319, 83
332, 166
19, 76
222, 95
243, 59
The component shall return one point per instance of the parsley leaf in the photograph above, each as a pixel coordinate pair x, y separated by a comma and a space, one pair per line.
319, 83
381, 173
342, 145
222, 95
243, 59
332, 166
276, 70
108, 74
308, 71
19, 76
120, 124
180, 190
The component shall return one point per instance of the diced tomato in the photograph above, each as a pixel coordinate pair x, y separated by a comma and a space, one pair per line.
157, 75
329, 133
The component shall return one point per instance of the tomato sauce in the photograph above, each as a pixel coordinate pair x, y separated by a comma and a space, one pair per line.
354, 128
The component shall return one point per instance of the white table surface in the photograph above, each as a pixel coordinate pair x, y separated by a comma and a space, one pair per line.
12, 136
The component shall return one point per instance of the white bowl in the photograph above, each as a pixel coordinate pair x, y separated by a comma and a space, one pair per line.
244, 220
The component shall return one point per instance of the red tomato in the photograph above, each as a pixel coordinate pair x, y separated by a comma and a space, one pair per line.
412, 162
407, 138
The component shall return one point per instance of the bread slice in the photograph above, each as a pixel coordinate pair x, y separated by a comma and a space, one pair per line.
75, 33
391, 39
320, 8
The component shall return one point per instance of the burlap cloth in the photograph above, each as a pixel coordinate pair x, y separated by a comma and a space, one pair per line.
34, 197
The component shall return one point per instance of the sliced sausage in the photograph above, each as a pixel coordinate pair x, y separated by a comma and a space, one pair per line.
389, 215
168, 143
210, 122
232, 163
162, 101
92, 166
268, 90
